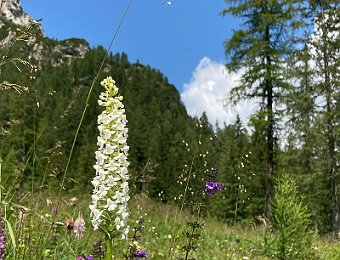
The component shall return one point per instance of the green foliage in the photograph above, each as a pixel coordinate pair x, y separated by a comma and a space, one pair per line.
262, 47
241, 198
312, 150
291, 224
40, 235
37, 127
162, 230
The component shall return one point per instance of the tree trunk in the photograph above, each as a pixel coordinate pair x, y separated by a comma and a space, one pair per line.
270, 132
332, 167
332, 164
332, 158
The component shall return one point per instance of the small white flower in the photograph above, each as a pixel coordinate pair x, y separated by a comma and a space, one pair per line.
111, 205
111, 190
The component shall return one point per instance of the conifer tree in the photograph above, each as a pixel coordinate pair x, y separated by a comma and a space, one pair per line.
301, 125
293, 238
326, 53
261, 48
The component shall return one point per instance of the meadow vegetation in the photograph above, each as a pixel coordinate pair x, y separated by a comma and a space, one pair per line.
88, 174
162, 232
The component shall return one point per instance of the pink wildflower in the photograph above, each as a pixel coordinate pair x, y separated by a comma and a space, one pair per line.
79, 227
73, 201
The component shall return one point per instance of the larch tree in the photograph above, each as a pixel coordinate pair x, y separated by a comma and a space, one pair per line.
325, 48
261, 48
301, 123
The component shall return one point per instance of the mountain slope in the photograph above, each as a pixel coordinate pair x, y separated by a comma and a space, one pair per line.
38, 126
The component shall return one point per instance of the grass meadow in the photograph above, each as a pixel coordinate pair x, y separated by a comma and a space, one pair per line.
43, 233
41, 225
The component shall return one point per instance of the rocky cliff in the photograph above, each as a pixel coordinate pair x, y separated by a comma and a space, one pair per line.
13, 21
12, 10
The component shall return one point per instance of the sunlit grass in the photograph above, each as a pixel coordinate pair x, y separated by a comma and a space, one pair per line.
163, 232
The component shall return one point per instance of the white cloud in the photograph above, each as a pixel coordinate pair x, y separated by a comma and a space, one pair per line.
207, 92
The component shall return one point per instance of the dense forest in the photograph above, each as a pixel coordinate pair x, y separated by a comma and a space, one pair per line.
296, 130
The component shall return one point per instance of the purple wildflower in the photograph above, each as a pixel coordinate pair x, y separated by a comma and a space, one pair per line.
141, 255
2, 240
211, 186
89, 257
54, 211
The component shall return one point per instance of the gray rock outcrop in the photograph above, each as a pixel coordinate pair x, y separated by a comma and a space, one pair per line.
13, 11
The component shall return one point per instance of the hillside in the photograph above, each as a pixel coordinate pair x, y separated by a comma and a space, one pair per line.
38, 126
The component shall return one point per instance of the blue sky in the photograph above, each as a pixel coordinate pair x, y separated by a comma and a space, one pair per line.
176, 38
173, 38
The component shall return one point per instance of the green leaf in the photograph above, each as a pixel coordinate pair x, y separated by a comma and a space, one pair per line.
11, 234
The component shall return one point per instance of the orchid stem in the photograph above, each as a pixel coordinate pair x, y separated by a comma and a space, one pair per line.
108, 247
